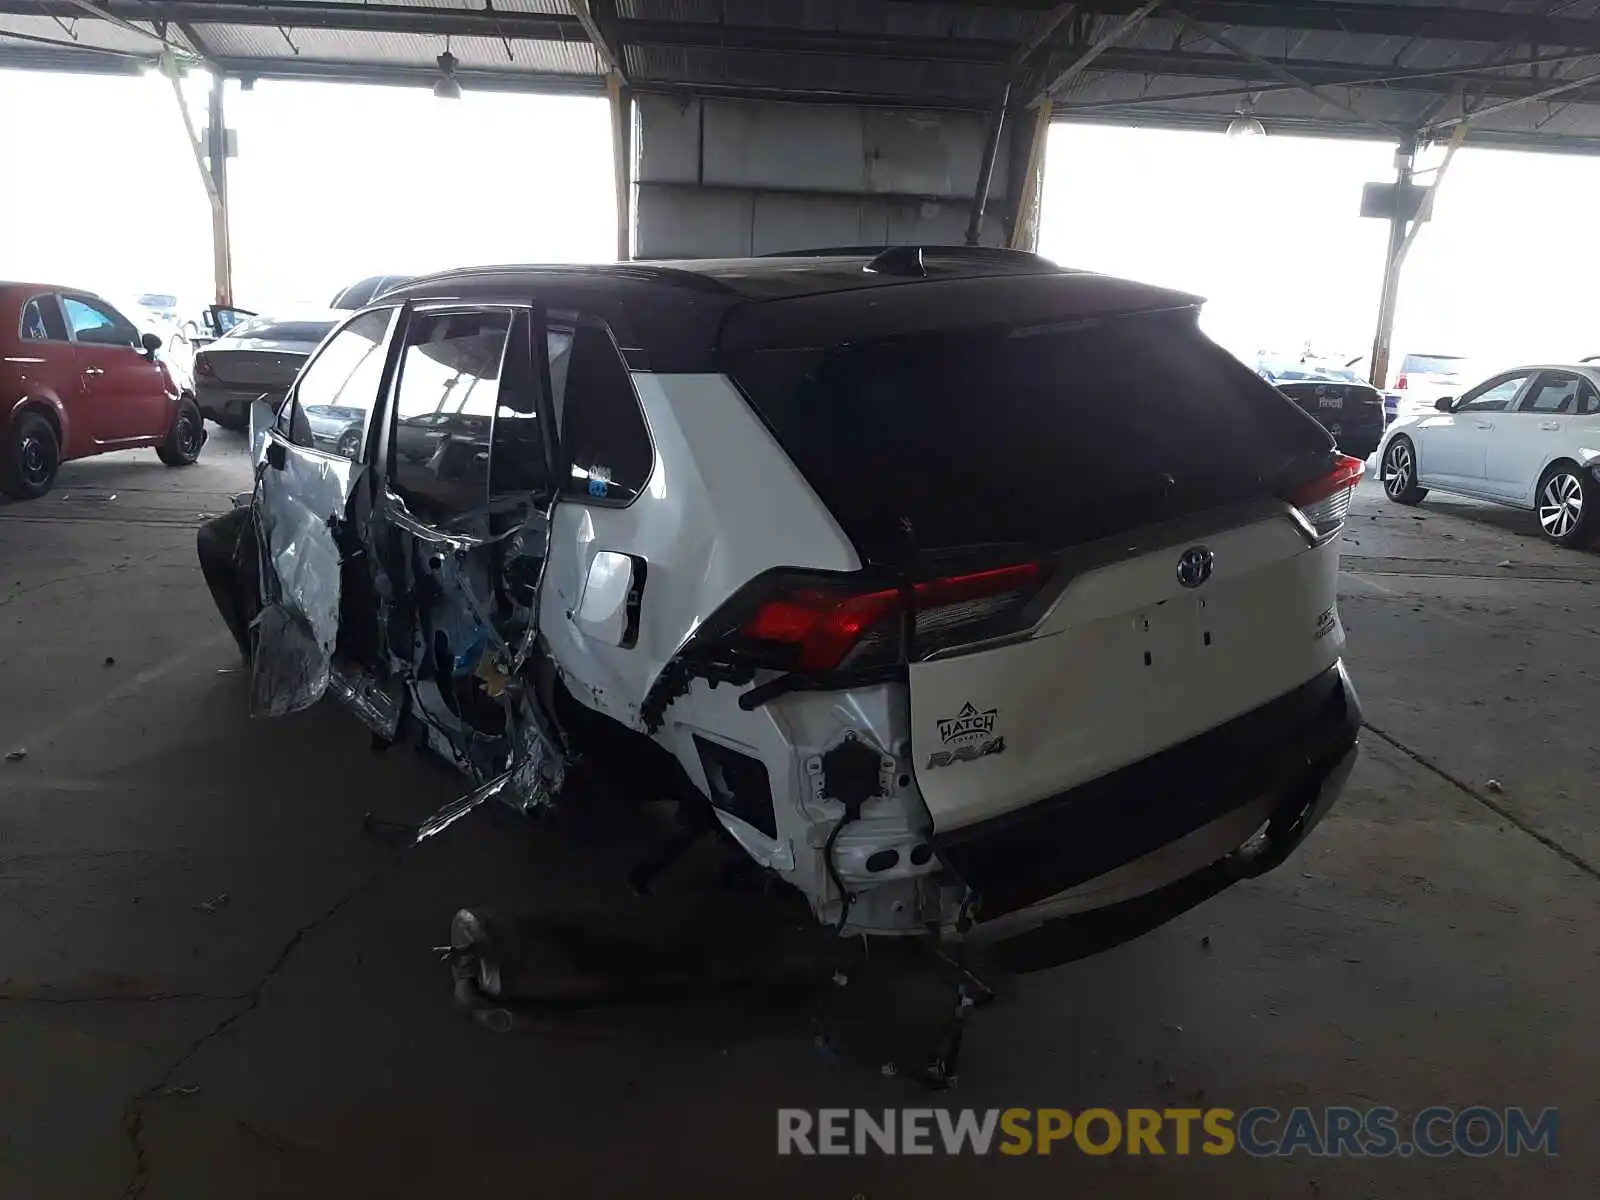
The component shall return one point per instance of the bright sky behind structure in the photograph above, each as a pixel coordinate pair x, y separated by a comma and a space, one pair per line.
336, 182
332, 183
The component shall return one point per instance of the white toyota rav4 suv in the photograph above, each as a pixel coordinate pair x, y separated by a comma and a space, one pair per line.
954, 587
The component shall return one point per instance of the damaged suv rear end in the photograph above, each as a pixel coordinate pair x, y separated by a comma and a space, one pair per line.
957, 589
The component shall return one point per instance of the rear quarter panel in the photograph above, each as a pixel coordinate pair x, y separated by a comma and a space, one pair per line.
723, 504
34, 375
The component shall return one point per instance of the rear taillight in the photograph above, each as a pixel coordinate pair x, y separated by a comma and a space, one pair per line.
202, 366
1325, 500
823, 627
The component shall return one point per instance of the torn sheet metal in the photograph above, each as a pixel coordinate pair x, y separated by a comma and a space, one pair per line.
456, 809
538, 771
377, 706
262, 419
298, 507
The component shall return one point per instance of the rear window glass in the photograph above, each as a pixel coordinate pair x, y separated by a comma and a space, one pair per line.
1051, 439
283, 331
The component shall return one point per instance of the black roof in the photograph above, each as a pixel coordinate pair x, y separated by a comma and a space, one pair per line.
677, 316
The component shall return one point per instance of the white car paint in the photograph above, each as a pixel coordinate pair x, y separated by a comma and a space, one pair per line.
1501, 454
723, 504
1074, 698
1129, 662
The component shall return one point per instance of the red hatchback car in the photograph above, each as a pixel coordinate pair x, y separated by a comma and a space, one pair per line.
77, 378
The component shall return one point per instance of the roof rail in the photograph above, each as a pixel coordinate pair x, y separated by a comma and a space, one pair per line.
640, 270
992, 253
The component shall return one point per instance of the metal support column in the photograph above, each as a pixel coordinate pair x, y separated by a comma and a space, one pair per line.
1030, 194
1405, 161
217, 165
211, 157
621, 98
991, 151
1400, 241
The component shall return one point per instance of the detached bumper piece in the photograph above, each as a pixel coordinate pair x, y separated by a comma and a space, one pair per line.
1287, 749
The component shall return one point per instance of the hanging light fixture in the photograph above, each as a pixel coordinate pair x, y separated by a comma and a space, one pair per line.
448, 87
1244, 123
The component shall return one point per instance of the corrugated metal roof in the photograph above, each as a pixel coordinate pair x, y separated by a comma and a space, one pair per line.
550, 7
1401, 63
406, 49
85, 34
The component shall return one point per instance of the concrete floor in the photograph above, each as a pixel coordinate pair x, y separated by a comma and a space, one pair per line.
1435, 943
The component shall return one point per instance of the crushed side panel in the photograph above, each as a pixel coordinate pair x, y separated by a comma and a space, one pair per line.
298, 510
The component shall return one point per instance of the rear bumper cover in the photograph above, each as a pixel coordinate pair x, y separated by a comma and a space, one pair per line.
219, 400
1286, 751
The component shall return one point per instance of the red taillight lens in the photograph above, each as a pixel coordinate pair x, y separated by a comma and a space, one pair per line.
202, 366
824, 626
1400, 384
1325, 501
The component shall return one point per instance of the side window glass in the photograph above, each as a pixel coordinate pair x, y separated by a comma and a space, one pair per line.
559, 342
444, 409
42, 322
517, 460
608, 446
1493, 398
1588, 398
1553, 394
98, 324
336, 391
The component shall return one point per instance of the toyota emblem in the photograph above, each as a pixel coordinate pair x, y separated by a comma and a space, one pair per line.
1194, 566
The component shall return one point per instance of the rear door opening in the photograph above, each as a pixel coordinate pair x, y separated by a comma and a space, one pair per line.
1109, 498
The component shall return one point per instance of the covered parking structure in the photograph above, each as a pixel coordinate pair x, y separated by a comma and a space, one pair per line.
752, 126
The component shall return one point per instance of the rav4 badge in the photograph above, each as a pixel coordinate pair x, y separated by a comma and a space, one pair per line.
967, 736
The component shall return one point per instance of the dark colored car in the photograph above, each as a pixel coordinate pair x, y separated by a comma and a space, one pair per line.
77, 378
257, 356
364, 292
1352, 412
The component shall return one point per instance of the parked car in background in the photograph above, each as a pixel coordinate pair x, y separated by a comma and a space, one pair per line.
1335, 394
79, 378
1528, 437
937, 665
164, 306
1420, 379
218, 320
259, 355
365, 291
1353, 412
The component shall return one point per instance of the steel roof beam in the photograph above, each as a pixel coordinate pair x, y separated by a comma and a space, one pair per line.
1436, 81
74, 47
1284, 74
1108, 38
1442, 81
301, 14
1563, 87
604, 43
1438, 22
479, 79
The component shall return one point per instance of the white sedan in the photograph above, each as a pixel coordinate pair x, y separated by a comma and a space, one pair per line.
1527, 437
